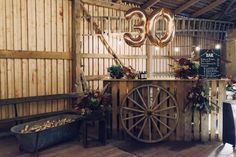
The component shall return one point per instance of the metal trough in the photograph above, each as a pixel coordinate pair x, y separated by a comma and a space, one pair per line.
32, 142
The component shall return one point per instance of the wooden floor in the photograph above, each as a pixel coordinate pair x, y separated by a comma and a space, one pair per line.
9, 148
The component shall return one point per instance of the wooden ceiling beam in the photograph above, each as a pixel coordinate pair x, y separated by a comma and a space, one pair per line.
208, 8
149, 4
233, 18
226, 11
185, 6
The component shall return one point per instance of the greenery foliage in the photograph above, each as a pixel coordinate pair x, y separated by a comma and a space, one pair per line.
116, 71
94, 101
198, 99
185, 68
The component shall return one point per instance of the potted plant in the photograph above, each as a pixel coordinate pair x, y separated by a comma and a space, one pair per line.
116, 71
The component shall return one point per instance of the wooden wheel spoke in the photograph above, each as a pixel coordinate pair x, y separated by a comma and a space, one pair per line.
141, 130
165, 116
139, 121
162, 123
148, 97
150, 129
149, 113
133, 109
158, 130
132, 117
136, 103
164, 109
155, 99
158, 105
140, 96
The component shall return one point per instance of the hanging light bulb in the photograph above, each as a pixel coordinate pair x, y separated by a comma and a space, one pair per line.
197, 48
176, 49
157, 48
218, 46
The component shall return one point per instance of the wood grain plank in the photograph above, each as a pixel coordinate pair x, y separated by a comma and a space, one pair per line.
114, 91
33, 84
3, 24
18, 79
25, 84
214, 113
204, 127
54, 40
122, 93
11, 85
4, 86
196, 125
221, 98
9, 25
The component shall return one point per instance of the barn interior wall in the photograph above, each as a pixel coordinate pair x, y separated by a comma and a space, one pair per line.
96, 60
231, 55
35, 48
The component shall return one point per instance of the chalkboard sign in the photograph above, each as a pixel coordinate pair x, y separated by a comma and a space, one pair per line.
210, 60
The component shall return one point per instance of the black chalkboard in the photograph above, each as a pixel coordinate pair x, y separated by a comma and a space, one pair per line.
210, 60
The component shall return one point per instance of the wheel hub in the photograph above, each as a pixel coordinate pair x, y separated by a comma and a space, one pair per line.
149, 112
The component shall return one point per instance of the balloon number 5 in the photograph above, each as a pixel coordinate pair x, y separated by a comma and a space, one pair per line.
149, 27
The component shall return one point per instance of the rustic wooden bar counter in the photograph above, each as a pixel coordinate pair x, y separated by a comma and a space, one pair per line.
191, 125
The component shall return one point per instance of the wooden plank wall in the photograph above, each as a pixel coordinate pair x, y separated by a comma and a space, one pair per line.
230, 55
95, 58
35, 50
186, 43
192, 126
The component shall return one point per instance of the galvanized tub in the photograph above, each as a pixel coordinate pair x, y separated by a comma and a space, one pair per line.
32, 142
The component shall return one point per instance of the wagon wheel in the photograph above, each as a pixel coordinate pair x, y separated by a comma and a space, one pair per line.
149, 113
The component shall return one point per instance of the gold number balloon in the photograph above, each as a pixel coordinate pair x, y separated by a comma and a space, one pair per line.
168, 27
136, 40
151, 27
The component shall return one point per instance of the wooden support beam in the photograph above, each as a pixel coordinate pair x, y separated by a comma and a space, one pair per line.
20, 100
208, 8
117, 6
18, 54
76, 22
233, 18
149, 4
148, 59
185, 6
108, 56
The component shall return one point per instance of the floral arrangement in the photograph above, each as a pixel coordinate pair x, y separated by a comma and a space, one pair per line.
94, 101
231, 89
231, 85
116, 71
198, 99
185, 68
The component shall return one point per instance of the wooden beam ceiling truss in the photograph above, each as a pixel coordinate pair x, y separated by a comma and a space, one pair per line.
208, 8
149, 4
226, 11
185, 6
188, 26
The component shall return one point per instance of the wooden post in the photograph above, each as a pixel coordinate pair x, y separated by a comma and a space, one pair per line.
76, 59
148, 60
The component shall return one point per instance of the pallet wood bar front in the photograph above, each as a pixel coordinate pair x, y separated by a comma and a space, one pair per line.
192, 126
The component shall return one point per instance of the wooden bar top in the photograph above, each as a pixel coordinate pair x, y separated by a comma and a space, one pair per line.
162, 79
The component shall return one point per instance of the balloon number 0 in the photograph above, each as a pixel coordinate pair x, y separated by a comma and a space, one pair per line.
148, 27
